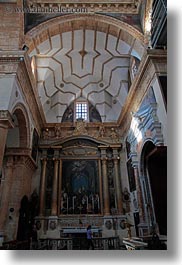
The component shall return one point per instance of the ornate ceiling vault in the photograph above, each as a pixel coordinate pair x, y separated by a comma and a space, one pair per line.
84, 57
114, 6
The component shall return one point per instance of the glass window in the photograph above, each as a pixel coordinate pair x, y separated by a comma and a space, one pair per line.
81, 110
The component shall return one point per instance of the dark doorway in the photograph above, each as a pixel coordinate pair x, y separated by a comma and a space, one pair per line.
24, 228
157, 170
137, 221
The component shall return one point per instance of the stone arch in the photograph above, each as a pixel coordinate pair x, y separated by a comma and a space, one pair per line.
23, 123
144, 148
98, 22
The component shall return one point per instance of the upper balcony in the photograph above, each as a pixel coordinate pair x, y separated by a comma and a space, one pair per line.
159, 24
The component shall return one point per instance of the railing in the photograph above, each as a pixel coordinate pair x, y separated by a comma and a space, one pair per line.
77, 243
159, 19
16, 245
107, 243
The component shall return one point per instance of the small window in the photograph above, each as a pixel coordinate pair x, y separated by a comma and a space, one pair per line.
81, 110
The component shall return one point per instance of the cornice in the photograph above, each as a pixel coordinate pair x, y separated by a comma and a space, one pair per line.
113, 6
11, 56
21, 156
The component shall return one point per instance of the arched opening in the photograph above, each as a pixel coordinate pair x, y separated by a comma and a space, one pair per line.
154, 162
18, 136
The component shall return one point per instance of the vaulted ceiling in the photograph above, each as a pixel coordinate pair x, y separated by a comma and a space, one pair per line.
87, 63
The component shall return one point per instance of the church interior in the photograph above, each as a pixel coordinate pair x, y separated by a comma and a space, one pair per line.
83, 124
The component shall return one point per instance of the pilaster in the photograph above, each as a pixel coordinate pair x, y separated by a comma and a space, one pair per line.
5, 123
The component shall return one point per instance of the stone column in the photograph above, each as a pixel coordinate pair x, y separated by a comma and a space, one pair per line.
5, 124
60, 186
42, 187
54, 205
105, 188
118, 187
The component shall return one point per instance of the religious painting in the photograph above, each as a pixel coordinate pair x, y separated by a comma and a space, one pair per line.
80, 187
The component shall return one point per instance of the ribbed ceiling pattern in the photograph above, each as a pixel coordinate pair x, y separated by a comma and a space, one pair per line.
82, 63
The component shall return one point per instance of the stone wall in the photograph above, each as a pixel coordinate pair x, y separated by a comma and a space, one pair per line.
11, 26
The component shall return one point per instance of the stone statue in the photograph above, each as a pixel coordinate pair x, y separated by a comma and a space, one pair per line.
101, 131
114, 135
80, 128
57, 132
45, 134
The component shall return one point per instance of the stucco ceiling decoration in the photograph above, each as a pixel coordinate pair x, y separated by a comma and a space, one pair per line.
114, 6
87, 63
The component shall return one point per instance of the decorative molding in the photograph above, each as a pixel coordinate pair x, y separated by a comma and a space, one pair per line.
53, 135
11, 56
89, 6
73, 22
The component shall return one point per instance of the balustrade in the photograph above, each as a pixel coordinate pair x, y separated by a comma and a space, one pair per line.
78, 243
